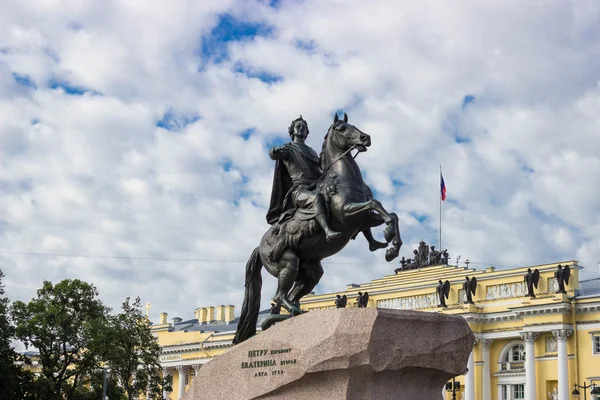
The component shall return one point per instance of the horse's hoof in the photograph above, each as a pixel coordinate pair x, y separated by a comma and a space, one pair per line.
295, 311
391, 254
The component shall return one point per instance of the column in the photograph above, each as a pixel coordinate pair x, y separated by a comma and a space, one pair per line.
470, 379
509, 392
530, 381
487, 390
182, 369
165, 375
197, 369
563, 372
500, 392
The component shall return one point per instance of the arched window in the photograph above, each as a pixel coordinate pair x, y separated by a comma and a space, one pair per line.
512, 357
516, 353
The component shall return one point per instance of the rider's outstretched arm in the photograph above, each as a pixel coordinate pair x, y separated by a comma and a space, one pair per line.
280, 153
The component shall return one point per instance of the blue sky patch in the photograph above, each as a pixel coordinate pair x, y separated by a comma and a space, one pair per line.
229, 29
24, 80
309, 46
468, 99
419, 217
247, 133
277, 141
264, 76
398, 183
175, 123
68, 88
226, 164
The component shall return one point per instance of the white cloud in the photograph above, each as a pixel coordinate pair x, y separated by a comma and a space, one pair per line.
93, 174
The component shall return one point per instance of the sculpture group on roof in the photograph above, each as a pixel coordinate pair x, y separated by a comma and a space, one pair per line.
424, 256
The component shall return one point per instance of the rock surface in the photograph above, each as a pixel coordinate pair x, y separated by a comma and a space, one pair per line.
344, 353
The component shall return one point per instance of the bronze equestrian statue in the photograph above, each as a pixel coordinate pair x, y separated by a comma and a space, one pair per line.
318, 204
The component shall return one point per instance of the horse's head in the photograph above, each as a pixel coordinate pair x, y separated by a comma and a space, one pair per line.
344, 136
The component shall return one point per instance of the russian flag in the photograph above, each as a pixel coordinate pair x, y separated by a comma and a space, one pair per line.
442, 187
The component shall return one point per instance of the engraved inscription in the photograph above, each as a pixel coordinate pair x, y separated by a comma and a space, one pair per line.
264, 359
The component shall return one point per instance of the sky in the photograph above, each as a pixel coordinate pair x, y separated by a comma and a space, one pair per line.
134, 135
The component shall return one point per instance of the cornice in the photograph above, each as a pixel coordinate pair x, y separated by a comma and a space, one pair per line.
183, 348
519, 372
587, 307
548, 308
490, 318
218, 345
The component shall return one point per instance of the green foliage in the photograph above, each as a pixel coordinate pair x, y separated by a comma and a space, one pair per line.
77, 339
61, 323
132, 352
14, 380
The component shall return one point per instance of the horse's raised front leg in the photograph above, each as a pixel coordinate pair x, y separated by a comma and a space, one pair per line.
392, 231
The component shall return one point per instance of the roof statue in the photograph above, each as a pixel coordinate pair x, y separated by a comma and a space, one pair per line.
318, 204
362, 300
423, 257
562, 275
341, 301
443, 291
470, 287
532, 279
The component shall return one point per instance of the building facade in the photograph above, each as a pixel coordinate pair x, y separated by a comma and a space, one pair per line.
526, 348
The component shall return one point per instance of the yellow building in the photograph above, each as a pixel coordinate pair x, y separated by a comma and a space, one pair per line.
526, 348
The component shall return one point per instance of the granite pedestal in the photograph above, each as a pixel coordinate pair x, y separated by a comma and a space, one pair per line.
345, 353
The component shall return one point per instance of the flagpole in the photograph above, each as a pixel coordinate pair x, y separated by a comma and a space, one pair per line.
440, 196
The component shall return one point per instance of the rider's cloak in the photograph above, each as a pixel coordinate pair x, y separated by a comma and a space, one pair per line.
306, 160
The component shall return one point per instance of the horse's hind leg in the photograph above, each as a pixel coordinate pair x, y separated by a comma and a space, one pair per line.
310, 274
288, 272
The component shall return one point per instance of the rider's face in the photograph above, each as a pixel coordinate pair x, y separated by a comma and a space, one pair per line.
300, 130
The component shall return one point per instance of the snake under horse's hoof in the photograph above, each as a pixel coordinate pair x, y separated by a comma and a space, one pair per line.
272, 319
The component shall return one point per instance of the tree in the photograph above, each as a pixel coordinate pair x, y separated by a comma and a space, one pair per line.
132, 352
11, 374
61, 323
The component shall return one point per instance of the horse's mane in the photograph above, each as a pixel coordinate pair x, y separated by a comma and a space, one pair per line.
333, 126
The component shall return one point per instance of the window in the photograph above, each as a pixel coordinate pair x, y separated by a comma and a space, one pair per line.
187, 379
519, 392
516, 353
596, 344
514, 358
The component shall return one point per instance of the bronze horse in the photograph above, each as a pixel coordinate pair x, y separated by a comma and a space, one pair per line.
292, 250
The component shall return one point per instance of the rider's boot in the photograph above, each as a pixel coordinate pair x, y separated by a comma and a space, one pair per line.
329, 233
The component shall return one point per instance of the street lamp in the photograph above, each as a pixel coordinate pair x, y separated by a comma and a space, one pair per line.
104, 397
454, 386
585, 387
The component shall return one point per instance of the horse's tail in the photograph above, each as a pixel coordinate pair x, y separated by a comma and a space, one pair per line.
247, 324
